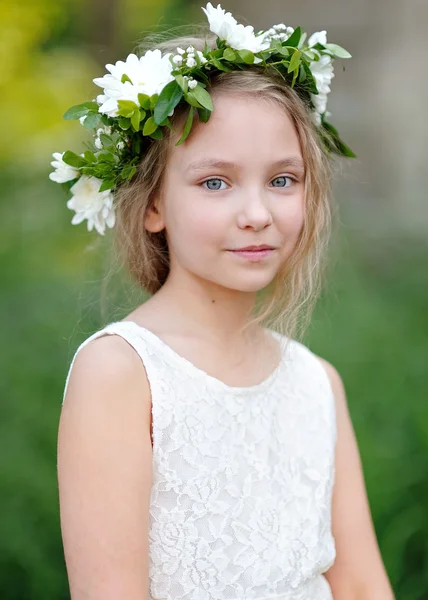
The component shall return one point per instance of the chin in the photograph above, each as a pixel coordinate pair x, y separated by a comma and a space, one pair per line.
248, 284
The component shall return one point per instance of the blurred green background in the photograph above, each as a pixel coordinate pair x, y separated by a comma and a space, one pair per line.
371, 321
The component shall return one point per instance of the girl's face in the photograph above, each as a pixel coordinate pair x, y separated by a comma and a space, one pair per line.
237, 181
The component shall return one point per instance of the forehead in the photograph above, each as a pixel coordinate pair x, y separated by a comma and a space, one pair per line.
241, 130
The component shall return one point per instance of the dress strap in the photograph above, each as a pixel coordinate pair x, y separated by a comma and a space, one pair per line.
133, 335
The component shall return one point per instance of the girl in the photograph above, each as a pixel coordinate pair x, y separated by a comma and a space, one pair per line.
203, 454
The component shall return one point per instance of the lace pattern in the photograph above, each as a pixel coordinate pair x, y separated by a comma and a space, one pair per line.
240, 504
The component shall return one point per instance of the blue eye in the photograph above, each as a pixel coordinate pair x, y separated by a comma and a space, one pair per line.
280, 180
212, 184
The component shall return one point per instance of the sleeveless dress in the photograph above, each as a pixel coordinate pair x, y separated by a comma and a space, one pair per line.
240, 503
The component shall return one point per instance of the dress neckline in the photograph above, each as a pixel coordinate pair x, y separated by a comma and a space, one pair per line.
185, 362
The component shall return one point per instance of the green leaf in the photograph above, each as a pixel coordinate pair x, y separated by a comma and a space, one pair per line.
92, 106
144, 101
128, 104
283, 51
247, 56
294, 38
73, 159
149, 126
181, 82
136, 145
229, 54
92, 120
335, 143
126, 108
166, 123
128, 171
190, 99
204, 114
219, 65
309, 55
168, 99
187, 126
338, 51
90, 156
302, 74
310, 83
296, 72
157, 134
125, 78
107, 184
295, 61
124, 123
203, 97
106, 156
75, 112
125, 112
153, 101
106, 140
135, 120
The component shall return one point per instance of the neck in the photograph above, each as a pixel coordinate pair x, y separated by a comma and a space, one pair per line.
218, 313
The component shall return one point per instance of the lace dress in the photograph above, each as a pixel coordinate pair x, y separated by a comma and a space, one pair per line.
240, 504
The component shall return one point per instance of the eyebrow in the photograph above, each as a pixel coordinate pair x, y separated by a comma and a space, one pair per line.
289, 161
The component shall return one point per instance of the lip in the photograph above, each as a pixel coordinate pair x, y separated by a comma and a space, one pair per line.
254, 248
258, 254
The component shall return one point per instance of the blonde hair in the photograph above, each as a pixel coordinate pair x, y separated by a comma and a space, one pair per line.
287, 303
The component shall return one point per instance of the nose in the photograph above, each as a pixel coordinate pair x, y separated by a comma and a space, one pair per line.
254, 211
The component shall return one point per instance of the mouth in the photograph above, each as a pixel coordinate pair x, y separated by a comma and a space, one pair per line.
254, 248
254, 253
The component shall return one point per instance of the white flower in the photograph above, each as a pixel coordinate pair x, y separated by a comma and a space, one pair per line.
120, 145
180, 50
278, 32
82, 119
225, 26
177, 59
149, 74
89, 203
192, 84
190, 62
323, 73
63, 172
319, 37
98, 143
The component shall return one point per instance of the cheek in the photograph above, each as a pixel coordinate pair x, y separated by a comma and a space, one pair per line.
291, 218
203, 221
197, 224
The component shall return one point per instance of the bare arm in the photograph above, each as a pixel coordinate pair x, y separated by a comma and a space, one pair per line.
104, 472
358, 572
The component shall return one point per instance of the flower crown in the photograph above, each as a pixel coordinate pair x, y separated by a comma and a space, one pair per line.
140, 94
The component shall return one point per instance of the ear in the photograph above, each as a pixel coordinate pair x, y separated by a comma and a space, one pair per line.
153, 219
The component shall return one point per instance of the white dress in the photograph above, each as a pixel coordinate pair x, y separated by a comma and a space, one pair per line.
240, 504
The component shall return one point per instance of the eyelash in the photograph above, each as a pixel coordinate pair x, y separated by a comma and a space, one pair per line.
220, 179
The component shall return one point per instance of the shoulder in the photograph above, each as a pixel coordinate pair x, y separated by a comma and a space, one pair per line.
322, 365
343, 418
106, 366
329, 373
334, 377
337, 385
